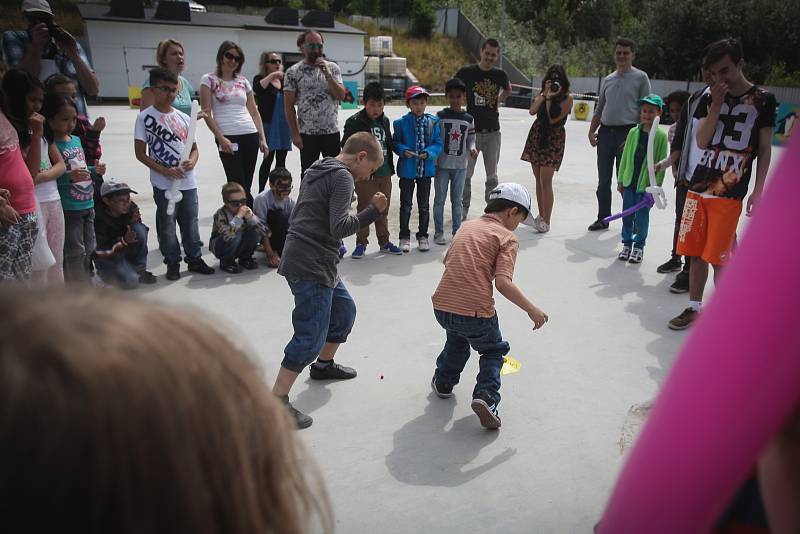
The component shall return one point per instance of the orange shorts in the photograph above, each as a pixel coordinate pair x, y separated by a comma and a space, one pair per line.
708, 227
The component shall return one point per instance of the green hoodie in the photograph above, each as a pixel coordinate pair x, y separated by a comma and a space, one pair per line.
660, 147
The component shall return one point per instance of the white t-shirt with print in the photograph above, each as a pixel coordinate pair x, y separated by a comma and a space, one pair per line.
165, 135
46, 191
317, 109
229, 104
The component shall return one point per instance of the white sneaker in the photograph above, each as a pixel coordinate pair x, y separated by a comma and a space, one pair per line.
405, 245
544, 227
539, 224
422, 244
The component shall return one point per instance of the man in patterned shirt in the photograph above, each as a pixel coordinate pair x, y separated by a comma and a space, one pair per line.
46, 48
315, 86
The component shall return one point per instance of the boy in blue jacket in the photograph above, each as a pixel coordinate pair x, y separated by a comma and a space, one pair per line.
418, 143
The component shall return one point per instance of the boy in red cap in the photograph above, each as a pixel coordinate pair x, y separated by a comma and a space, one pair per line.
418, 143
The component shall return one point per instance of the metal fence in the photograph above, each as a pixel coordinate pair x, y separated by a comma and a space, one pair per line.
588, 86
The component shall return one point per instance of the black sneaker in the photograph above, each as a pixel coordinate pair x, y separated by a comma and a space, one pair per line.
197, 265
173, 271
670, 266
146, 277
599, 224
331, 371
301, 420
248, 263
443, 391
486, 410
681, 283
230, 267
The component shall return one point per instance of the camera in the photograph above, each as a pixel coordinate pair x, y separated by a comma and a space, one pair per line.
555, 86
57, 32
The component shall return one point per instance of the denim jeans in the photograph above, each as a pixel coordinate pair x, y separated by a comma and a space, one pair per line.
321, 314
610, 142
242, 246
185, 215
483, 335
79, 244
444, 178
488, 143
122, 270
635, 225
423, 205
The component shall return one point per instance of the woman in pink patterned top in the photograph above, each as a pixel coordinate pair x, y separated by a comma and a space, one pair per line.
232, 115
17, 203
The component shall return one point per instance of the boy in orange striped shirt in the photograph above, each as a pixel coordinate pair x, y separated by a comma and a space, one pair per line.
483, 250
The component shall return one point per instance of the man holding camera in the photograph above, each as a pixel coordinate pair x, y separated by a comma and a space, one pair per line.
315, 85
46, 48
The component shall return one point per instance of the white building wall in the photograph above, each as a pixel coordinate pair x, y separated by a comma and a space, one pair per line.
122, 52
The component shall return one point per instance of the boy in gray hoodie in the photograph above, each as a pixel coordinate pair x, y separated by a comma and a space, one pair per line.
324, 311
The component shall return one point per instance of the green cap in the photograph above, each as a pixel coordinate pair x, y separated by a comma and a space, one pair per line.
654, 99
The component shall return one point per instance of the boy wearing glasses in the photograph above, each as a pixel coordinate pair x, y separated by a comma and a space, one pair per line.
315, 85
159, 137
236, 231
121, 253
274, 206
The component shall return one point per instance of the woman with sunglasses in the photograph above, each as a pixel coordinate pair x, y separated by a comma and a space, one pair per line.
231, 114
170, 56
268, 89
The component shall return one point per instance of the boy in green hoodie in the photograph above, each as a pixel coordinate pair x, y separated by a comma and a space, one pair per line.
633, 179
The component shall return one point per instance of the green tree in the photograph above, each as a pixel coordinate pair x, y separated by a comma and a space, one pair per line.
423, 18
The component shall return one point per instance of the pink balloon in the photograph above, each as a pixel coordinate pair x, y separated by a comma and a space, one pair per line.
733, 386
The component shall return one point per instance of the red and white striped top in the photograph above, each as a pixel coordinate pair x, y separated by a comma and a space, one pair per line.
481, 250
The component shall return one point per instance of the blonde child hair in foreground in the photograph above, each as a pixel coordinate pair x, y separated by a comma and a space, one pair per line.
124, 415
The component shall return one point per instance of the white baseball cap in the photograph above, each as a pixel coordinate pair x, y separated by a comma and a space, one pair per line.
36, 5
515, 193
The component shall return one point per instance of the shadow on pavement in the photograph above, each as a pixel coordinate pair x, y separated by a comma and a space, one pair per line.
425, 453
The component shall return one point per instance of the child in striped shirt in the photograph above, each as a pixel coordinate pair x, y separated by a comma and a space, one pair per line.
483, 250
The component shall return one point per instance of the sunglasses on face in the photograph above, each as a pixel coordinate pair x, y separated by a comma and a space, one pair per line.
232, 57
314, 46
236, 202
274, 62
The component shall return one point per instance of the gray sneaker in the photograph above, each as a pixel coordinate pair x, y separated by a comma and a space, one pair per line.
301, 420
423, 245
439, 239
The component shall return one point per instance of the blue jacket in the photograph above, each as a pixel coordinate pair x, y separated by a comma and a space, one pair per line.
405, 138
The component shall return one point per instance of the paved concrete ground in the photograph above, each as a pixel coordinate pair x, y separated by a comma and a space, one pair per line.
398, 459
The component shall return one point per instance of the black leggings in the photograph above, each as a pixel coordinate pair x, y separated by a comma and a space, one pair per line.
240, 166
263, 172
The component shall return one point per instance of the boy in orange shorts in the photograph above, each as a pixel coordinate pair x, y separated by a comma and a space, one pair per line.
736, 122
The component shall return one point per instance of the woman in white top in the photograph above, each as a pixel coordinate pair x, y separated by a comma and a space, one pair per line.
226, 98
170, 56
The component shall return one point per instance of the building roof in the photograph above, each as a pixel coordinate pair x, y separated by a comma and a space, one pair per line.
217, 20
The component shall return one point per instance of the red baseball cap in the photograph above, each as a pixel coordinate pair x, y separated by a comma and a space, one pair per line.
414, 91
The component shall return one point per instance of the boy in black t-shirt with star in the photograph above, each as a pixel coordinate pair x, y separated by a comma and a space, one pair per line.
735, 128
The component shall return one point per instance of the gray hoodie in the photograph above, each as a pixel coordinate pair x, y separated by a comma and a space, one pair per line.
320, 219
